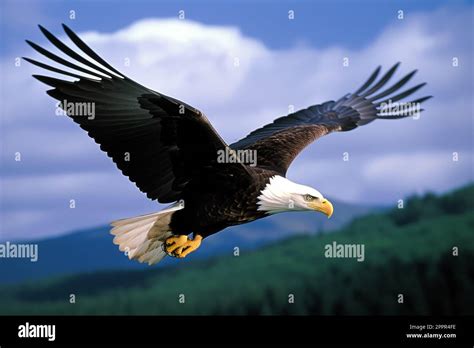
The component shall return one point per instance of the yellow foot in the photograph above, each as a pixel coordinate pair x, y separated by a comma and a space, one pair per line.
180, 246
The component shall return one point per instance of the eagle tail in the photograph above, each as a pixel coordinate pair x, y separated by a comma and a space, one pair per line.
142, 237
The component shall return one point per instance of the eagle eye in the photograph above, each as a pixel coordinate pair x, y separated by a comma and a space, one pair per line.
309, 198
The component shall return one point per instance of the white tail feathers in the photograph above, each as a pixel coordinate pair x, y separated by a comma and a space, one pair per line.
142, 237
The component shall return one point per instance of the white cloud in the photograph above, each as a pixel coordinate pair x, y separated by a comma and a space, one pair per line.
196, 63
184, 58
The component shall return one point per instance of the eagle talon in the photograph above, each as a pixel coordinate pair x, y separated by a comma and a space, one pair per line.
180, 246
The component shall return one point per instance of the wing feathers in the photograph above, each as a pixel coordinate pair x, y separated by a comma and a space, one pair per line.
382, 81
66, 50
87, 50
51, 68
62, 61
370, 102
395, 87
402, 95
369, 81
151, 142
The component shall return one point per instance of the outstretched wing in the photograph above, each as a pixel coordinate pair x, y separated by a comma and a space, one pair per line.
159, 142
279, 142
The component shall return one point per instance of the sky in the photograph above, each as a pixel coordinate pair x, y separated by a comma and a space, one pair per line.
243, 64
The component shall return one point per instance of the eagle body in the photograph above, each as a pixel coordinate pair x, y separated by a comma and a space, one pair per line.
214, 203
170, 149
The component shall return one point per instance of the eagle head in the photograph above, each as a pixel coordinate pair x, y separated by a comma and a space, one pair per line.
281, 195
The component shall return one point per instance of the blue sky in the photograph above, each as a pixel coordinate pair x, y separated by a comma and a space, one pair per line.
282, 62
318, 23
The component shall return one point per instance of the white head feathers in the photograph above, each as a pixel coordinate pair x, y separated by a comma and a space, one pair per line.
281, 195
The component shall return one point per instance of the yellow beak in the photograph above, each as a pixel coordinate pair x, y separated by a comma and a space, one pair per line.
323, 206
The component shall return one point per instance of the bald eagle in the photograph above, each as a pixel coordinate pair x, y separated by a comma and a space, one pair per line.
171, 152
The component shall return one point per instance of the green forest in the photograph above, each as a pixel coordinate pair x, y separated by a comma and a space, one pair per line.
423, 252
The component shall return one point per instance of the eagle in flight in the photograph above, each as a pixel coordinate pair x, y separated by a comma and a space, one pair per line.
171, 152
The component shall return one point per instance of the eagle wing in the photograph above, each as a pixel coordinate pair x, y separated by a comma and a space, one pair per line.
278, 143
159, 142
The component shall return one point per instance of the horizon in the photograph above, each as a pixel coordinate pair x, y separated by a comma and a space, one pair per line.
376, 208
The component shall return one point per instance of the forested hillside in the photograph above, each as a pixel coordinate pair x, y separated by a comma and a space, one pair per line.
424, 252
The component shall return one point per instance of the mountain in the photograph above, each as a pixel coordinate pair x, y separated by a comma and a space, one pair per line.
92, 249
424, 253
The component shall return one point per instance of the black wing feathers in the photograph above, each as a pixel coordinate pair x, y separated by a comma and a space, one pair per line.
368, 103
352, 110
159, 142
